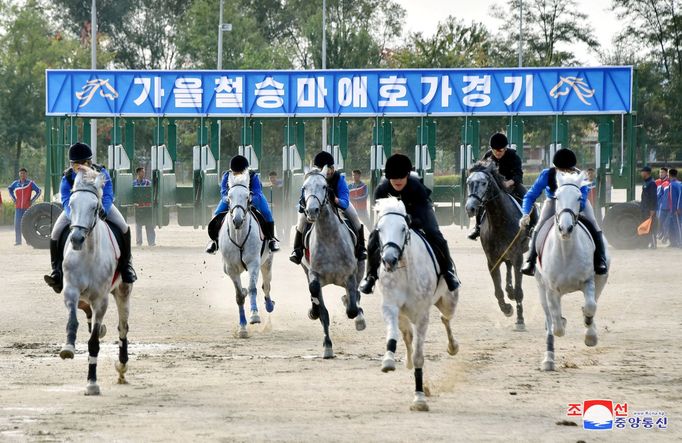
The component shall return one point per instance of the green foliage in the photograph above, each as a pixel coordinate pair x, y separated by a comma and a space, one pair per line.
7, 213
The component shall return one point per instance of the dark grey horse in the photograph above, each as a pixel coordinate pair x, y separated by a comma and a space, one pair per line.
331, 258
499, 228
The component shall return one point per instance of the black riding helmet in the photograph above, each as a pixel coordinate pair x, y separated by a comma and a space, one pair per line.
398, 166
565, 159
239, 163
323, 159
499, 141
79, 152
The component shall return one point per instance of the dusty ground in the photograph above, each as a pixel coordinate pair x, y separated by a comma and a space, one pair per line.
191, 379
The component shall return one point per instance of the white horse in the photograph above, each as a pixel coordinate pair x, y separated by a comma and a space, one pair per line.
244, 249
409, 284
566, 265
90, 263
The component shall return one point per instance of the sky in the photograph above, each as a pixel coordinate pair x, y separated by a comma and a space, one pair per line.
424, 15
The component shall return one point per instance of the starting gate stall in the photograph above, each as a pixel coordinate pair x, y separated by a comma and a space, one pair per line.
293, 153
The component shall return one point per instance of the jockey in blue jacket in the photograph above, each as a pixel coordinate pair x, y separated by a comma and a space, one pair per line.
81, 154
341, 200
564, 161
240, 165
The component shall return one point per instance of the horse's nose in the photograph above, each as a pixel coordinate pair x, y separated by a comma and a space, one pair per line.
238, 221
470, 209
313, 212
77, 239
390, 262
569, 229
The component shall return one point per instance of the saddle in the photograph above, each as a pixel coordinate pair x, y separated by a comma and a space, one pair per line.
543, 234
217, 222
116, 237
430, 250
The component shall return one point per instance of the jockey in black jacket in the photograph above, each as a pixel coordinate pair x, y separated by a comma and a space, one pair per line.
415, 196
509, 166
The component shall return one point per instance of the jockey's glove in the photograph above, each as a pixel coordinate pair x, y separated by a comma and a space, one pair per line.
524, 221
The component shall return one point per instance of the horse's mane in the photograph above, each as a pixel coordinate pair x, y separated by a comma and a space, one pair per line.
491, 168
316, 171
240, 179
88, 177
390, 204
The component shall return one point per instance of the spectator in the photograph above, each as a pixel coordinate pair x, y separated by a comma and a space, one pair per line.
20, 191
669, 209
141, 181
275, 182
358, 196
649, 202
592, 178
663, 179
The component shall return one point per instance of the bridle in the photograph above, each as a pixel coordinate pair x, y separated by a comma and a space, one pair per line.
326, 194
248, 233
406, 240
570, 211
483, 200
235, 207
96, 212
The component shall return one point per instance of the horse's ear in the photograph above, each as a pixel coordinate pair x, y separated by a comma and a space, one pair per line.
99, 181
582, 179
324, 170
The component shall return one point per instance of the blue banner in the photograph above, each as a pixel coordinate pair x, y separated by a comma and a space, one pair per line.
340, 93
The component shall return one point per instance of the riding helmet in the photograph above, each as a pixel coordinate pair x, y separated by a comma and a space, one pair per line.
79, 152
499, 141
323, 159
565, 159
398, 166
238, 163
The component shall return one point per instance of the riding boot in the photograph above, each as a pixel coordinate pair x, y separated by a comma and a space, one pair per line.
529, 265
373, 261
600, 267
476, 230
212, 247
360, 250
269, 231
446, 266
125, 262
297, 254
54, 280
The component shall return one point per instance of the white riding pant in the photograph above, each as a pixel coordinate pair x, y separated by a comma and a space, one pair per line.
349, 213
63, 221
549, 209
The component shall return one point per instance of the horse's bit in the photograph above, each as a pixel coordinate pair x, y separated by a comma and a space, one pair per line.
390, 244
239, 206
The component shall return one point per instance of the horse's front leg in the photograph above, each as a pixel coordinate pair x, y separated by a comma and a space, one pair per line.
518, 294
99, 308
390, 313
352, 308
419, 402
548, 362
122, 296
254, 268
509, 287
315, 288
446, 304
240, 296
266, 272
589, 310
554, 303
71, 296
506, 308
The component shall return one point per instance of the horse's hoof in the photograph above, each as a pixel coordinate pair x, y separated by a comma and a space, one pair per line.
121, 368
419, 402
507, 310
520, 327
388, 363
269, 305
453, 348
243, 333
255, 318
314, 313
590, 340
92, 389
328, 352
548, 365
102, 331
360, 323
352, 312
67, 351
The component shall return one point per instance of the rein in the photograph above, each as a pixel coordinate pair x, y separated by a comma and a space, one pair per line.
99, 205
484, 201
569, 211
247, 216
401, 249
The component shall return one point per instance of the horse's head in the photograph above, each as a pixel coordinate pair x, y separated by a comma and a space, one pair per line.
315, 192
568, 196
393, 229
481, 186
238, 198
85, 204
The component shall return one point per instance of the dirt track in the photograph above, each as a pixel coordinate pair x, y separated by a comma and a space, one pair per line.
191, 379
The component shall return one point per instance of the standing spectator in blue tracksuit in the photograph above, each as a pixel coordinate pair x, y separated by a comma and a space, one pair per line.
20, 191
649, 202
669, 209
336, 183
240, 165
142, 182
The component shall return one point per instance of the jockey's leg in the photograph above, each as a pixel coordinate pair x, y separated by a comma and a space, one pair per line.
260, 203
476, 230
590, 222
125, 265
297, 254
373, 263
352, 215
218, 216
546, 214
440, 247
55, 279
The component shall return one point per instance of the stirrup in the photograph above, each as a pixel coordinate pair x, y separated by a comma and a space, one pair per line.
274, 245
528, 268
367, 284
55, 281
474, 233
296, 256
212, 247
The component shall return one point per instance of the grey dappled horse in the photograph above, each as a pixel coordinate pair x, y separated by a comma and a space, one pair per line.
243, 249
331, 256
409, 284
566, 265
90, 262
499, 228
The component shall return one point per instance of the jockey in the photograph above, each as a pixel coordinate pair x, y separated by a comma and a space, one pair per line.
81, 154
564, 161
509, 166
339, 189
238, 165
400, 183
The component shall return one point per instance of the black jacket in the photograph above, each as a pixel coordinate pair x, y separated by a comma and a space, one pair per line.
509, 165
416, 198
649, 199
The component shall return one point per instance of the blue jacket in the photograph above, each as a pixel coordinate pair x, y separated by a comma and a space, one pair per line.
340, 190
255, 185
67, 184
669, 197
547, 182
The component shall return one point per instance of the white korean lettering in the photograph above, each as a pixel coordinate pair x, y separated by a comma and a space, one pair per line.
433, 87
311, 92
188, 93
517, 83
392, 91
270, 93
229, 92
480, 85
146, 89
353, 91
